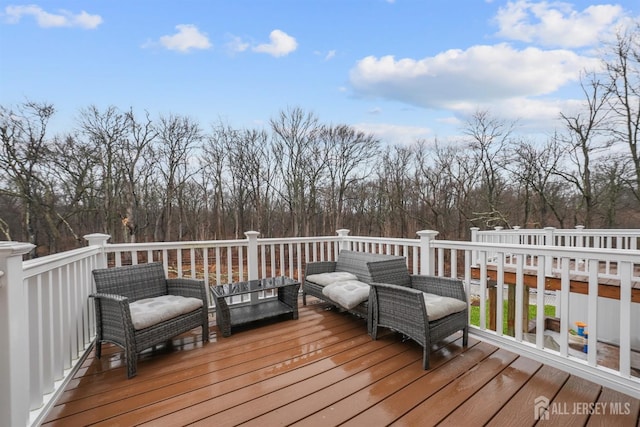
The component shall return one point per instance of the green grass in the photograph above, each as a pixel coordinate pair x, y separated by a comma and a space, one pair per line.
549, 310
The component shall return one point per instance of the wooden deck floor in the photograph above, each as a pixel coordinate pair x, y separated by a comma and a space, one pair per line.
323, 369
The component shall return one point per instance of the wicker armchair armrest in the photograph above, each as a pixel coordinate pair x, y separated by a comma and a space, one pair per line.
397, 289
108, 297
320, 267
187, 288
113, 310
443, 286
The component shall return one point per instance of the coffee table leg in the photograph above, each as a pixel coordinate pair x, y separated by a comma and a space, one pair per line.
289, 296
223, 316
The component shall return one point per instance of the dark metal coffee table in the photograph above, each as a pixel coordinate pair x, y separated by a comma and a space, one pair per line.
285, 303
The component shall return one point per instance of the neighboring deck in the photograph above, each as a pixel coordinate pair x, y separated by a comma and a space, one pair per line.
578, 283
323, 369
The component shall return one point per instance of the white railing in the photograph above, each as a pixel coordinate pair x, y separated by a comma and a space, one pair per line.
591, 308
47, 319
570, 238
579, 237
225, 261
46, 326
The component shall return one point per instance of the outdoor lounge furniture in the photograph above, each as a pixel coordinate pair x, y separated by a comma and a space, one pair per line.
137, 307
428, 310
345, 282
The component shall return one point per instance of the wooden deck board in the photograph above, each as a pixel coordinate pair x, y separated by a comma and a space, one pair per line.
500, 389
571, 399
213, 364
432, 410
322, 369
353, 372
627, 410
406, 398
340, 410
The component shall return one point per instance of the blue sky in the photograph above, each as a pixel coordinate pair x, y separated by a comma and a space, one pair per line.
402, 69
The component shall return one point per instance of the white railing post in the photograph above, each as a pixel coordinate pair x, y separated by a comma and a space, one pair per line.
252, 254
474, 238
498, 237
517, 240
14, 336
580, 237
252, 260
548, 241
343, 233
99, 239
427, 253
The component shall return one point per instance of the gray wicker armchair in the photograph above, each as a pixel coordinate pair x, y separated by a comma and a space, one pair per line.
117, 291
404, 310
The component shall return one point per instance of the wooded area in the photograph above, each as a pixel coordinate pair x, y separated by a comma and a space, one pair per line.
139, 178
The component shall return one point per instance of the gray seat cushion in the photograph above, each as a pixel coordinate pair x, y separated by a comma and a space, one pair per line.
439, 307
348, 293
325, 279
151, 311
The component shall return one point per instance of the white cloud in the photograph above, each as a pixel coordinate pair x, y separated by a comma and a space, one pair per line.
533, 115
511, 83
50, 20
236, 44
281, 44
556, 23
478, 74
327, 56
187, 38
451, 120
528, 85
394, 134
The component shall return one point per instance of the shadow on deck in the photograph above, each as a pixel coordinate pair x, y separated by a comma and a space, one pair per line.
323, 369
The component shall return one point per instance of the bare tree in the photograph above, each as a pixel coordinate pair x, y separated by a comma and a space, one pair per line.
350, 155
73, 178
106, 130
259, 167
25, 152
138, 179
178, 137
137, 157
533, 167
622, 61
612, 187
213, 162
488, 138
463, 176
586, 138
297, 146
395, 190
238, 159
434, 188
